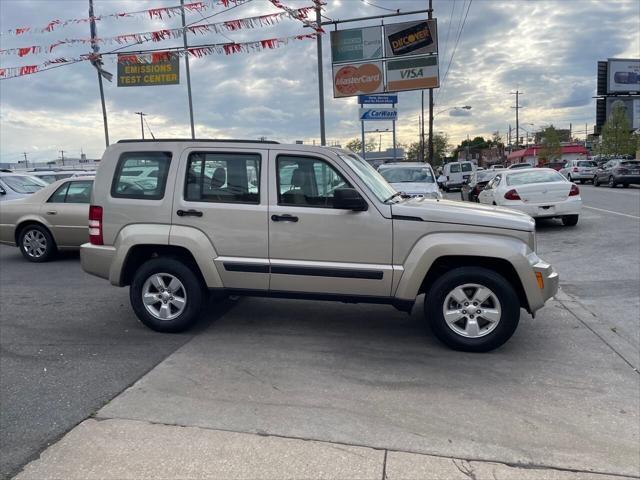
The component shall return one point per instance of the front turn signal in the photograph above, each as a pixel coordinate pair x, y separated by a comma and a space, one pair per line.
540, 280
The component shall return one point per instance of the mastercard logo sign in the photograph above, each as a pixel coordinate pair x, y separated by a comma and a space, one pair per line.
351, 79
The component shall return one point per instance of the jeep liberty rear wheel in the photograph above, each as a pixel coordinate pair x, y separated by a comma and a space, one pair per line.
166, 295
472, 309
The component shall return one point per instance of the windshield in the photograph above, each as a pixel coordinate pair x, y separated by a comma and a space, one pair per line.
23, 183
376, 182
534, 176
407, 175
485, 175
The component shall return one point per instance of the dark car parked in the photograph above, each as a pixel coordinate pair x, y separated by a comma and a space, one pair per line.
618, 172
478, 180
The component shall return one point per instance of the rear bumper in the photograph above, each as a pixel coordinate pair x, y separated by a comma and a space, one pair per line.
582, 175
537, 210
97, 259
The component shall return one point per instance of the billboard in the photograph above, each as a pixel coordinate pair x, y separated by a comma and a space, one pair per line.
631, 106
412, 73
148, 69
378, 114
410, 38
356, 44
357, 79
623, 75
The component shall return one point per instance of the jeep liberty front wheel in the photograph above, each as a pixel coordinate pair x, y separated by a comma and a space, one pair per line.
166, 295
473, 309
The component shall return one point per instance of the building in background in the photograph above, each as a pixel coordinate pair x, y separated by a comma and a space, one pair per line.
530, 155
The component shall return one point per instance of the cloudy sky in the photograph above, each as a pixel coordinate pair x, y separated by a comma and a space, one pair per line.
546, 49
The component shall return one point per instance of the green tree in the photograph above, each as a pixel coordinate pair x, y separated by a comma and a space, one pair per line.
551, 149
617, 138
413, 152
440, 148
355, 145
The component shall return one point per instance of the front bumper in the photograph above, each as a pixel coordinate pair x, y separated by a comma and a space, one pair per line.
548, 279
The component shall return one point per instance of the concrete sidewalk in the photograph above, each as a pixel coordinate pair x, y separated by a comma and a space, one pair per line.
129, 449
279, 389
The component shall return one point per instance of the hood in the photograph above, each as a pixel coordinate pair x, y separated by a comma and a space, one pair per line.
465, 213
415, 187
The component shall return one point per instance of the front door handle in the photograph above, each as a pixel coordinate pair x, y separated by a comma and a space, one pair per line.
52, 212
284, 218
189, 213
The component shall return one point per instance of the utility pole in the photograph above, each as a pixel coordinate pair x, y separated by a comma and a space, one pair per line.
62, 156
26, 163
141, 124
517, 93
96, 48
430, 16
421, 128
186, 64
323, 139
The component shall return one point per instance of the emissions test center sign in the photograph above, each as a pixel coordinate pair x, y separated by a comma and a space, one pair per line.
150, 69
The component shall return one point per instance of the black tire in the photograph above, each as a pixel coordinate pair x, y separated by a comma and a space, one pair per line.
581, 182
596, 183
45, 237
191, 285
612, 183
502, 289
570, 220
569, 177
625, 185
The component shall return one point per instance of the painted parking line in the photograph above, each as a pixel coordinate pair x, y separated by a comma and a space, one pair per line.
611, 211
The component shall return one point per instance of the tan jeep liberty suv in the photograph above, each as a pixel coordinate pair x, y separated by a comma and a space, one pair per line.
299, 221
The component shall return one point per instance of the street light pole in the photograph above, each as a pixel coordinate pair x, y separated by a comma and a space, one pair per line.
430, 16
186, 64
323, 138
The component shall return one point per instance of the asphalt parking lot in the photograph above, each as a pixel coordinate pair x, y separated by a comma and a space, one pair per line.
563, 393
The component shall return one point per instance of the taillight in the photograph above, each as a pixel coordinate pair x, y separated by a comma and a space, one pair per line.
512, 195
95, 225
574, 169
574, 190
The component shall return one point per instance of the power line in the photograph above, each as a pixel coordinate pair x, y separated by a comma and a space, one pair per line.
455, 48
446, 42
381, 8
149, 128
132, 44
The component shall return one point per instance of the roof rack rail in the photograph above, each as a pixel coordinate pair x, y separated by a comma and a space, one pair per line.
212, 140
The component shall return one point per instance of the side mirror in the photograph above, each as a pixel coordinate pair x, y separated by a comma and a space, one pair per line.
349, 199
2, 191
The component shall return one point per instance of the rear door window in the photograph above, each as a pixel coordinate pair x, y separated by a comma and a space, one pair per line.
223, 177
455, 168
141, 175
467, 167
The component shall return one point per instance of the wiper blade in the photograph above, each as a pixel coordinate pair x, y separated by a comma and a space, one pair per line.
392, 196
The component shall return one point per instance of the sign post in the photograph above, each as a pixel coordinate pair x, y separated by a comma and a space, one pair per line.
378, 114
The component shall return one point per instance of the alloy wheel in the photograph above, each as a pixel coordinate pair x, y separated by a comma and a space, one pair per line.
472, 310
34, 243
164, 296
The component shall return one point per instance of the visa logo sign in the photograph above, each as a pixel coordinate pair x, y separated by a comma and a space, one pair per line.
411, 73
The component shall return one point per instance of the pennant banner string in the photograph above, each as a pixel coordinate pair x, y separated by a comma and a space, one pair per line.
197, 51
153, 13
159, 35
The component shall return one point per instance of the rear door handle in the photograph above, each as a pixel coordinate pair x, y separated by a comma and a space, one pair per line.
52, 212
284, 218
189, 213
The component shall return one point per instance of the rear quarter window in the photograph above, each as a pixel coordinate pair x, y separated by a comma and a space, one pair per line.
147, 187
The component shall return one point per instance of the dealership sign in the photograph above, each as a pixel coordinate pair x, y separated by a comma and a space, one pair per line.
623, 75
412, 73
378, 114
150, 69
356, 44
377, 99
410, 38
350, 80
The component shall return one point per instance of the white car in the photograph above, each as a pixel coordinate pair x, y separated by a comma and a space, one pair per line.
413, 179
582, 170
539, 192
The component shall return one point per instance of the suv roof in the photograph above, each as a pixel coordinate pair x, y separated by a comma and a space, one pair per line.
213, 140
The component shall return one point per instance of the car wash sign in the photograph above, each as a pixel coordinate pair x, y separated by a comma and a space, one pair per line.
149, 69
378, 114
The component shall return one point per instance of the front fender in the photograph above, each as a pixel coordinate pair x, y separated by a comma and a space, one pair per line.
433, 246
